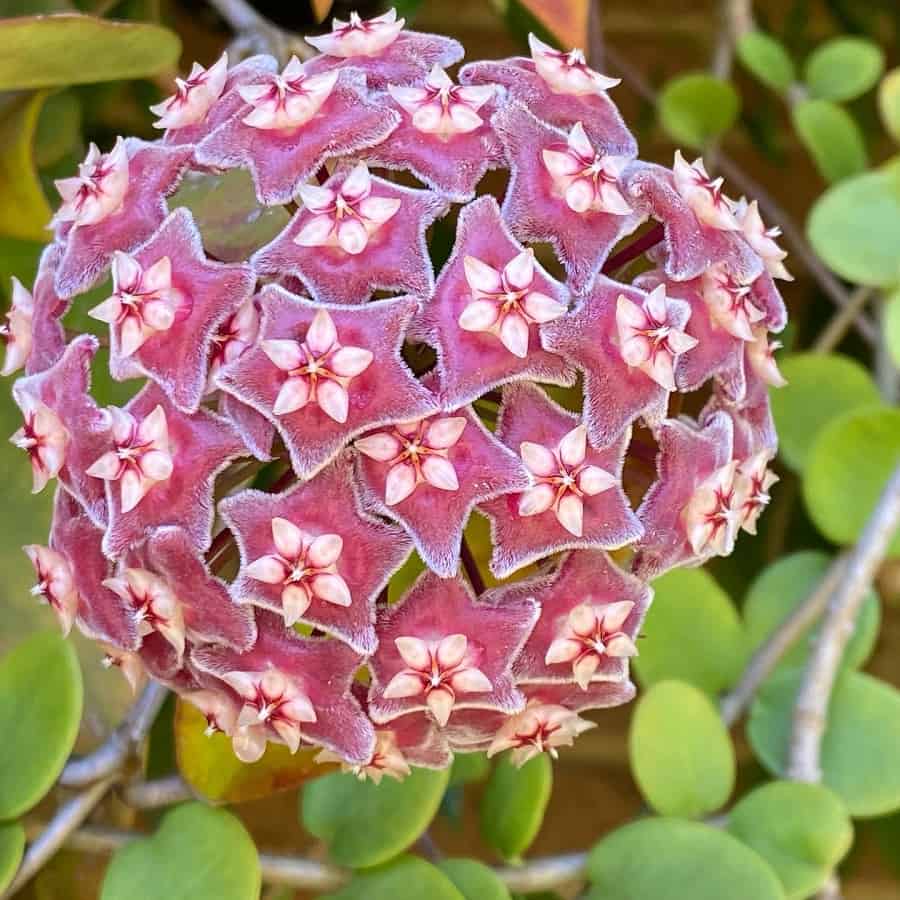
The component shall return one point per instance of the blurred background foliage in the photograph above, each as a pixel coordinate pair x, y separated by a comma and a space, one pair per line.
807, 104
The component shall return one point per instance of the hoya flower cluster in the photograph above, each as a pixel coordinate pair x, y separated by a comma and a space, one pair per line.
384, 399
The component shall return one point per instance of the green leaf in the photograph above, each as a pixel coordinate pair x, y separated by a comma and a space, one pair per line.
889, 102
12, 847
197, 853
49, 51
802, 408
768, 59
861, 743
832, 138
468, 768
680, 751
209, 766
474, 880
24, 211
849, 465
665, 859
843, 68
696, 107
405, 878
40, 712
891, 325
801, 830
855, 228
785, 584
514, 803
365, 824
58, 128
711, 657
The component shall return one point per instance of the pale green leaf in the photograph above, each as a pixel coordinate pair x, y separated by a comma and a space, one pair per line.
889, 102
832, 138
768, 59
843, 68
405, 878
474, 880
695, 108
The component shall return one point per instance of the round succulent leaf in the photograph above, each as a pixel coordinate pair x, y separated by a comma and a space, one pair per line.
802, 408
783, 586
41, 698
407, 877
889, 102
48, 51
680, 751
696, 107
849, 465
12, 847
855, 228
209, 766
364, 823
197, 853
891, 325
801, 830
831, 137
513, 805
711, 657
843, 68
767, 59
663, 859
474, 880
468, 768
861, 742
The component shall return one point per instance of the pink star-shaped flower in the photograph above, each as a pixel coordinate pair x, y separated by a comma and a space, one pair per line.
761, 238
292, 689
17, 330
700, 228
168, 306
627, 343
576, 497
64, 430
291, 124
559, 88
688, 513
445, 137
441, 650
194, 96
382, 49
539, 728
132, 184
54, 583
199, 446
490, 306
429, 474
356, 234
564, 191
312, 554
309, 341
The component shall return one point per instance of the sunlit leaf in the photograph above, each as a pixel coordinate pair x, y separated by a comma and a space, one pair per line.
567, 20
474, 880
514, 803
197, 853
889, 102
832, 138
843, 68
849, 466
24, 211
664, 859
40, 711
861, 742
405, 878
801, 830
47, 51
768, 60
12, 846
681, 754
365, 824
209, 765
805, 406
696, 107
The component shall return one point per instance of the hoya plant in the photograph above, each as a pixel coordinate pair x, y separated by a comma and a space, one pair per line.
377, 391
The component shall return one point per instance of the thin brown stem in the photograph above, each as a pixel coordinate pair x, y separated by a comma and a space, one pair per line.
637, 248
841, 321
470, 567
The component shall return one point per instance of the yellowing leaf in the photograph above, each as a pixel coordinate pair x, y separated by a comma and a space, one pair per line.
321, 8
567, 19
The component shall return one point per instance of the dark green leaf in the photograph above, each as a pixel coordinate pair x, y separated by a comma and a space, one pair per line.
671, 859
843, 68
768, 59
474, 880
197, 853
861, 742
49, 51
802, 408
696, 108
681, 753
514, 803
405, 878
710, 658
832, 138
12, 846
40, 712
849, 466
365, 824
58, 128
801, 830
